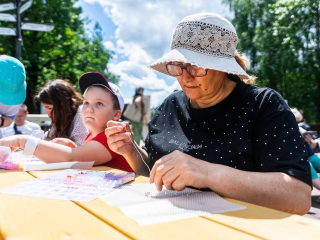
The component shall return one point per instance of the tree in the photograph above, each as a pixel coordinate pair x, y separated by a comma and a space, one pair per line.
282, 39
66, 52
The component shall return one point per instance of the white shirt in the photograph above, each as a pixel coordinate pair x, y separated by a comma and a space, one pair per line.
9, 111
25, 129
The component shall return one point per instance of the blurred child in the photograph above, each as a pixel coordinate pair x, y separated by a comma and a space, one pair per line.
12, 88
21, 125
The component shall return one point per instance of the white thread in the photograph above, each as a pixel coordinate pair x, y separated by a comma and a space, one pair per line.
138, 151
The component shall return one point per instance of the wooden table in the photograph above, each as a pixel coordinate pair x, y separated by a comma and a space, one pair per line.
39, 218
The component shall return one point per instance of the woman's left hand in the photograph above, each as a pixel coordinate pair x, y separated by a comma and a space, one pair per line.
178, 170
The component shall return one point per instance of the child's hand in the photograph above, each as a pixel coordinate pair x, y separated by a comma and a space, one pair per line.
120, 137
11, 142
65, 141
14, 142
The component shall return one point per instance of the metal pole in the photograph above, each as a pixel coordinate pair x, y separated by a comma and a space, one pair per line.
18, 29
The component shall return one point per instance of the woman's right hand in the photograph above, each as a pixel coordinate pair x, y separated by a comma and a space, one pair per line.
119, 136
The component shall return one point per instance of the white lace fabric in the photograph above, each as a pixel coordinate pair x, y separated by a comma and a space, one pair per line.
205, 38
79, 131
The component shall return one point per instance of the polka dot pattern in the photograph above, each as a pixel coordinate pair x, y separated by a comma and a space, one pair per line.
252, 129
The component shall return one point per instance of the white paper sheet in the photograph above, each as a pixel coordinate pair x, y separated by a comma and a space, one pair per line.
146, 206
31, 163
75, 185
39, 165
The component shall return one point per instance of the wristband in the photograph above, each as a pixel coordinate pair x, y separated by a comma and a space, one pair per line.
31, 145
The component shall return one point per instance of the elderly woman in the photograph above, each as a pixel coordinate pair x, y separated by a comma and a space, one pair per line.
220, 132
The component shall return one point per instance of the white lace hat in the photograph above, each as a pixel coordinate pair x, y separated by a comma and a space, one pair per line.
206, 40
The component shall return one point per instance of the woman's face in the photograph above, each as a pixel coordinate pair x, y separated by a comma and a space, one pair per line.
140, 91
48, 109
199, 88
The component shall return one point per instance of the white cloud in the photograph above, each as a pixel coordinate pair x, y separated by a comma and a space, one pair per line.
133, 74
109, 45
149, 25
143, 34
132, 51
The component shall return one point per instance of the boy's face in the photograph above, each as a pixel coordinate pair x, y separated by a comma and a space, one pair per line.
98, 109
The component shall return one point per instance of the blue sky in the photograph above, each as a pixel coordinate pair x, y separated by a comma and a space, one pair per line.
139, 32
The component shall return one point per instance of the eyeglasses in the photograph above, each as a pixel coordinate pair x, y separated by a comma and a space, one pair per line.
176, 70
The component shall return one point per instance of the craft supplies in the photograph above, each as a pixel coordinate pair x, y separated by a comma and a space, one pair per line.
75, 185
143, 203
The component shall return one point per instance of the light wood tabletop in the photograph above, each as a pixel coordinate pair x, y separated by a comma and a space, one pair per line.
24, 217
38, 218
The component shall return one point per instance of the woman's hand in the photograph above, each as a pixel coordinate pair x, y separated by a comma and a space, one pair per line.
14, 142
65, 141
178, 170
119, 136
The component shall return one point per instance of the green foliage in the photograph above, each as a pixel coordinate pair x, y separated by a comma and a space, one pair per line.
66, 52
152, 111
282, 40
